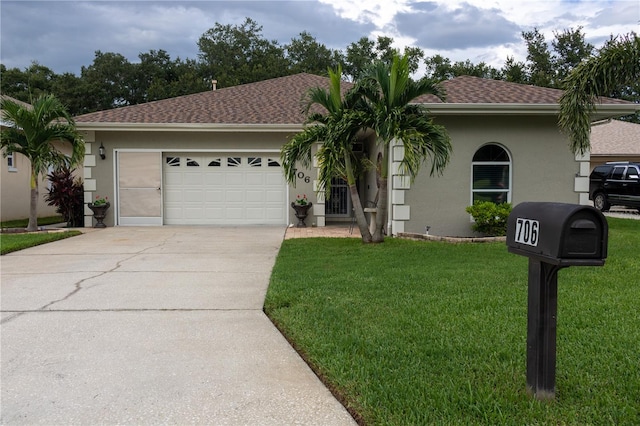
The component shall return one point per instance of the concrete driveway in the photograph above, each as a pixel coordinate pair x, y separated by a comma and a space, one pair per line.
151, 325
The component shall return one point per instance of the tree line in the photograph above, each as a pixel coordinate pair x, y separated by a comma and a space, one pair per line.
239, 54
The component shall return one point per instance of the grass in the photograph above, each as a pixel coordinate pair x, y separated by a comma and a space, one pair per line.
433, 333
14, 242
22, 223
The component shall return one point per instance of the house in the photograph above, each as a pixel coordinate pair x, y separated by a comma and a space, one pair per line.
15, 194
213, 158
614, 140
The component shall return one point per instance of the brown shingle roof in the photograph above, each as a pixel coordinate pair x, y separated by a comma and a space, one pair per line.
615, 138
279, 101
274, 101
475, 90
21, 103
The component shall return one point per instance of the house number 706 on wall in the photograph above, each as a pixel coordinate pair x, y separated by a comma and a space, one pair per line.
301, 175
527, 231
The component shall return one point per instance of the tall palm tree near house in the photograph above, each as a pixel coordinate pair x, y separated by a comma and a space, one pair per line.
336, 129
33, 132
389, 91
616, 65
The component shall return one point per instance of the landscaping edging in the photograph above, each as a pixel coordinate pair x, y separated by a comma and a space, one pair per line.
454, 240
40, 230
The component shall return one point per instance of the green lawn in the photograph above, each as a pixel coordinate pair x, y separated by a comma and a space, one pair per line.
22, 223
434, 333
14, 242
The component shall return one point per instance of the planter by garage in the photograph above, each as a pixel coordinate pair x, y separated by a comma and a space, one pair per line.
99, 213
302, 212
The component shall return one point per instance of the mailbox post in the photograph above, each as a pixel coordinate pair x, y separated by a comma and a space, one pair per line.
553, 236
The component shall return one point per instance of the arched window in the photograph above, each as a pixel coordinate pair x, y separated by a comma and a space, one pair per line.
491, 175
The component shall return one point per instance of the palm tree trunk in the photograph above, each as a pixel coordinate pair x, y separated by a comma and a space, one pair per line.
33, 205
381, 219
361, 219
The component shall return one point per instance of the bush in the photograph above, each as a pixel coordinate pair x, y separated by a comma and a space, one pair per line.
490, 218
67, 194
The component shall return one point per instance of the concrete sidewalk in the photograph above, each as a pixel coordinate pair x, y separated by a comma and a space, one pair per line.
157, 325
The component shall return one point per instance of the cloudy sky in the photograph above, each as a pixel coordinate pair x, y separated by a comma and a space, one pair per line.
63, 35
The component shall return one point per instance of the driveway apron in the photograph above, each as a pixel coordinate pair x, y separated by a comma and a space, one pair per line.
151, 325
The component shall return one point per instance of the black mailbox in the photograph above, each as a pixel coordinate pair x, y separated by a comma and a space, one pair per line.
553, 236
558, 233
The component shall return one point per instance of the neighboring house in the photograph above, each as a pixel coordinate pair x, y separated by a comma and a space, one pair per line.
15, 192
213, 158
614, 140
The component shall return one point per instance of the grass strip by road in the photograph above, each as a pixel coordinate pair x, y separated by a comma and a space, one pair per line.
15, 242
22, 223
410, 332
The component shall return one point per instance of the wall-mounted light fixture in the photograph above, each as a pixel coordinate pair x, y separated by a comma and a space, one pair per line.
101, 151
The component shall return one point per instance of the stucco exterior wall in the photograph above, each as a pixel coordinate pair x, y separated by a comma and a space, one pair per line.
100, 174
15, 193
543, 169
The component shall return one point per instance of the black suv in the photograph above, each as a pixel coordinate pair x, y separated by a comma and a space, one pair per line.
615, 183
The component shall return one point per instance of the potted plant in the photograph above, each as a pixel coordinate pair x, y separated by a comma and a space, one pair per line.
301, 205
99, 208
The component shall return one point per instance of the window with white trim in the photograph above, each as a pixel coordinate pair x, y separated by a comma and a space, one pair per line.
11, 162
491, 175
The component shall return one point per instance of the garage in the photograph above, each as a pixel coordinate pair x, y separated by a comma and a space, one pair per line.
223, 189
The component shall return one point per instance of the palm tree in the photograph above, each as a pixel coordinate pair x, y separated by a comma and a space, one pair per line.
337, 129
389, 91
33, 132
617, 64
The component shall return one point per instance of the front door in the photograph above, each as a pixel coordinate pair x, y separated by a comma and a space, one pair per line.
338, 204
139, 188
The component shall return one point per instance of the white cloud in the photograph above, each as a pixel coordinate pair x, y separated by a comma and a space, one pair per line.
378, 12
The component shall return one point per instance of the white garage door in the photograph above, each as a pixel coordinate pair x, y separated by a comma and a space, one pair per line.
229, 189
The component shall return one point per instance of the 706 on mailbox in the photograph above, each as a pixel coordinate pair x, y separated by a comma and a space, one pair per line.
527, 231
553, 236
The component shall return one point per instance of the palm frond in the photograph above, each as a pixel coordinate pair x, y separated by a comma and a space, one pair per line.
299, 148
617, 64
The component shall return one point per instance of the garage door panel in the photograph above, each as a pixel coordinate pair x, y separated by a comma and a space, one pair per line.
192, 179
194, 212
234, 178
216, 213
213, 195
173, 179
234, 196
255, 213
224, 189
192, 195
274, 197
234, 213
172, 196
274, 213
255, 179
274, 179
215, 179
255, 196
